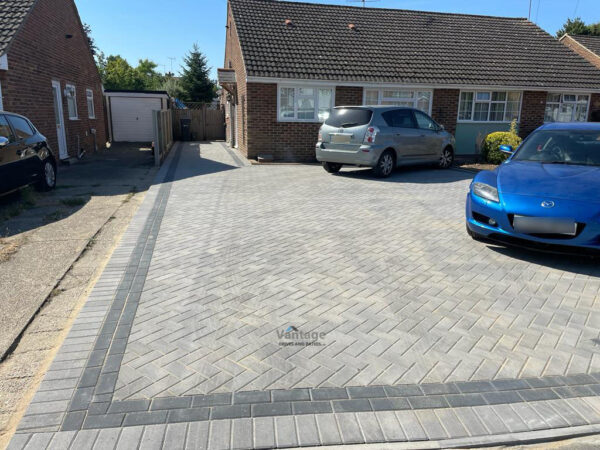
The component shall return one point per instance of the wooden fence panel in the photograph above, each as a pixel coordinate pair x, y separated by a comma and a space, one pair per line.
205, 124
215, 124
163, 135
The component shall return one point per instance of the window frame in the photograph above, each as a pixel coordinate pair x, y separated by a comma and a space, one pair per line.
76, 116
315, 97
89, 94
560, 103
490, 102
414, 99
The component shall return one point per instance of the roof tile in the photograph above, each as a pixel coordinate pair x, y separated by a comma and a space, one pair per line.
402, 46
592, 43
12, 15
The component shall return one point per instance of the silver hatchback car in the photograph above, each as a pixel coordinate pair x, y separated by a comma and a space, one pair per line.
382, 137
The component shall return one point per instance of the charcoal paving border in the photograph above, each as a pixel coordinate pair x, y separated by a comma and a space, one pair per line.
165, 410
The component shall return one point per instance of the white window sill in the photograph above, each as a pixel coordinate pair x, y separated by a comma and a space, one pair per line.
299, 121
485, 121
74, 118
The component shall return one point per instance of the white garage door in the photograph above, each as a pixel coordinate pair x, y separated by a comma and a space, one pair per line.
132, 118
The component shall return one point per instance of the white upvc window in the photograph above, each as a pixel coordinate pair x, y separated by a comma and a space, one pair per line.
419, 99
489, 106
71, 95
89, 95
566, 107
304, 103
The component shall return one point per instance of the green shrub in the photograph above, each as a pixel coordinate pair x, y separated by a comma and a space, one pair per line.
491, 145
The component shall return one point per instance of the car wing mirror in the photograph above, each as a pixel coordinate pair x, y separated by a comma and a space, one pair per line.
507, 149
3, 141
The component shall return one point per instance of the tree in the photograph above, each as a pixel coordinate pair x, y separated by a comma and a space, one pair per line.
173, 87
195, 81
147, 78
594, 29
578, 26
88, 33
117, 73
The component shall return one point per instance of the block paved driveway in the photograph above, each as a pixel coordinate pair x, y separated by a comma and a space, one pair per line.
399, 326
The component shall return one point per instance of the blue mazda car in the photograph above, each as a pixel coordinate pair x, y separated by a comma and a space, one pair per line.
546, 195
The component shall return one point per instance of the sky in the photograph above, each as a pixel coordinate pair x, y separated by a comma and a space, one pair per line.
163, 29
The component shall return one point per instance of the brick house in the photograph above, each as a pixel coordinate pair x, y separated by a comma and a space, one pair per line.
288, 63
48, 73
589, 48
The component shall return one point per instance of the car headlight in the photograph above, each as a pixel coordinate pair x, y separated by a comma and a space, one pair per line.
486, 191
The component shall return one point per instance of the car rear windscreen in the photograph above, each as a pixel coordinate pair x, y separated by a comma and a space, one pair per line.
349, 117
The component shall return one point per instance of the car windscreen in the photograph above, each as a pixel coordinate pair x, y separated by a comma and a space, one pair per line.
576, 147
349, 117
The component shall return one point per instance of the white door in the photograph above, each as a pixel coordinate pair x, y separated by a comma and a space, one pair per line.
60, 120
132, 118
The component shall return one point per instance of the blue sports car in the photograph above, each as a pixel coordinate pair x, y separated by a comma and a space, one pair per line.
546, 195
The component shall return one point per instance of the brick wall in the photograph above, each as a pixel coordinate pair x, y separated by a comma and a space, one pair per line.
41, 53
348, 96
444, 108
286, 141
532, 112
581, 50
234, 60
594, 115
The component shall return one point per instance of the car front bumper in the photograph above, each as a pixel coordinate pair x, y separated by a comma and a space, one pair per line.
479, 212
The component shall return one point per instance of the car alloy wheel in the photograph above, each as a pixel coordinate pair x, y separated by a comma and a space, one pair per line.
447, 158
386, 164
49, 174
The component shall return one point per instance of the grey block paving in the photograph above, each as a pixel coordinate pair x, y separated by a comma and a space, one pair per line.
264, 432
285, 432
427, 336
175, 435
308, 433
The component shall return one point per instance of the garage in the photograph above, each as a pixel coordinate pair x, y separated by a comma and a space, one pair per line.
130, 114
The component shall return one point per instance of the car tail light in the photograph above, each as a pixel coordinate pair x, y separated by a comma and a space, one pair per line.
370, 135
320, 139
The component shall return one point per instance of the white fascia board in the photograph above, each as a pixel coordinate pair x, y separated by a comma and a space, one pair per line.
367, 84
135, 94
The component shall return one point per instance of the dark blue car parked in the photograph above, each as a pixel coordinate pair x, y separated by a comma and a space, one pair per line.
25, 155
546, 195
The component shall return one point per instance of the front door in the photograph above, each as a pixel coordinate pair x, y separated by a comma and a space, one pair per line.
60, 121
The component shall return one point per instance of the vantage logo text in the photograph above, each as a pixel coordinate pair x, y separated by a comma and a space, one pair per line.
292, 336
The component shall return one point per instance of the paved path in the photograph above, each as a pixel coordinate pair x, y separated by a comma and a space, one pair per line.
261, 306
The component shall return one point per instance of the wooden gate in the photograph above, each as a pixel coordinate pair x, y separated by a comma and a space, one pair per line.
205, 124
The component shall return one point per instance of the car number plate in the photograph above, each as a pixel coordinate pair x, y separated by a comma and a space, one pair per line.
544, 225
341, 138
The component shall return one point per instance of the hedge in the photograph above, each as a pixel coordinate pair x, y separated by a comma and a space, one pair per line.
491, 146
